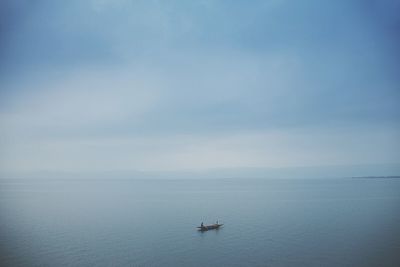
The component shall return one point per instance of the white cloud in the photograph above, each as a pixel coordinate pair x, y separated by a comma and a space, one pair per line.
133, 118
83, 100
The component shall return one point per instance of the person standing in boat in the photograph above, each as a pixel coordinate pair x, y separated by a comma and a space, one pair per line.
202, 225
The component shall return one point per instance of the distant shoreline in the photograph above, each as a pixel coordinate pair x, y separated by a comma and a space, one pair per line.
377, 177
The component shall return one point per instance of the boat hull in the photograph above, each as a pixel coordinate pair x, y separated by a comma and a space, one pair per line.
209, 227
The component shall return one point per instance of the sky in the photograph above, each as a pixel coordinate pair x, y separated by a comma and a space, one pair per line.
118, 85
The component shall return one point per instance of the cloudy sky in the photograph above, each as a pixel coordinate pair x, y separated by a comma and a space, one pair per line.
118, 85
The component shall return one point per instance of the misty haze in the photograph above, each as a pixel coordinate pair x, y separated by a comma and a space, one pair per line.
199, 133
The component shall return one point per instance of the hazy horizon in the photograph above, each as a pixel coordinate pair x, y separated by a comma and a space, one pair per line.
295, 172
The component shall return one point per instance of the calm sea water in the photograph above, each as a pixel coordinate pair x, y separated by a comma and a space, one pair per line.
271, 222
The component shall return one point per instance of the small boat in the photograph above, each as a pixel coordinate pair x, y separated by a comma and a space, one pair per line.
209, 227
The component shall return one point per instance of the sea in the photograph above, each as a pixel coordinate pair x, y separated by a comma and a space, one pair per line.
152, 222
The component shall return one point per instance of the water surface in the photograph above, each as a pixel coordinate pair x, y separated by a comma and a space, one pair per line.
268, 222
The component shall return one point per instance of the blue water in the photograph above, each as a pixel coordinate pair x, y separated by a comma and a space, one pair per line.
271, 222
